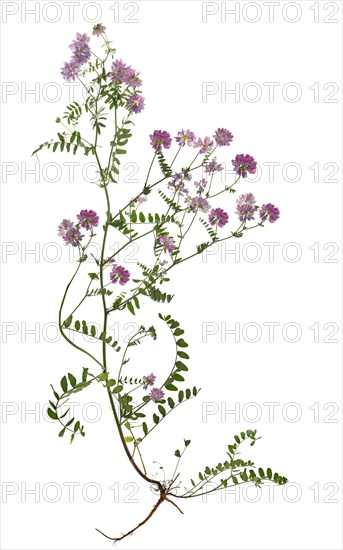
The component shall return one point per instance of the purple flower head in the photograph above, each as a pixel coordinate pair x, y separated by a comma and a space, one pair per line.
73, 236
213, 166
178, 182
124, 73
135, 103
185, 136
205, 144
118, 71
70, 70
156, 394
132, 78
80, 39
80, 48
159, 139
70, 233
245, 207
98, 29
81, 53
222, 137
119, 273
148, 380
246, 198
141, 199
199, 203
178, 186
88, 219
200, 185
63, 227
269, 211
245, 212
168, 243
218, 217
243, 164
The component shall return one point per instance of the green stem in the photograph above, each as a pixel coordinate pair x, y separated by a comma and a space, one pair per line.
163, 417
196, 156
148, 174
83, 299
125, 352
209, 189
174, 159
177, 263
226, 188
138, 450
125, 245
149, 187
217, 488
173, 478
104, 350
60, 321
134, 389
185, 233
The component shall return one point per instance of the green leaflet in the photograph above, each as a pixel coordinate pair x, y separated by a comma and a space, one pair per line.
90, 330
165, 168
237, 469
165, 406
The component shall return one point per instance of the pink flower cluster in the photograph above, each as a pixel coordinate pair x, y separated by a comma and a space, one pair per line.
161, 138
119, 73
156, 394
71, 233
98, 29
167, 243
124, 73
242, 165
119, 275
81, 54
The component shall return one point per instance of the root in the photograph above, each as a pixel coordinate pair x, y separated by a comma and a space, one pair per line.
173, 503
162, 498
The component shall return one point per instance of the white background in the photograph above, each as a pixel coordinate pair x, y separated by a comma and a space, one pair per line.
177, 50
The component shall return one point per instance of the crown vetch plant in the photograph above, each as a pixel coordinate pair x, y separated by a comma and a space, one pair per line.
187, 195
